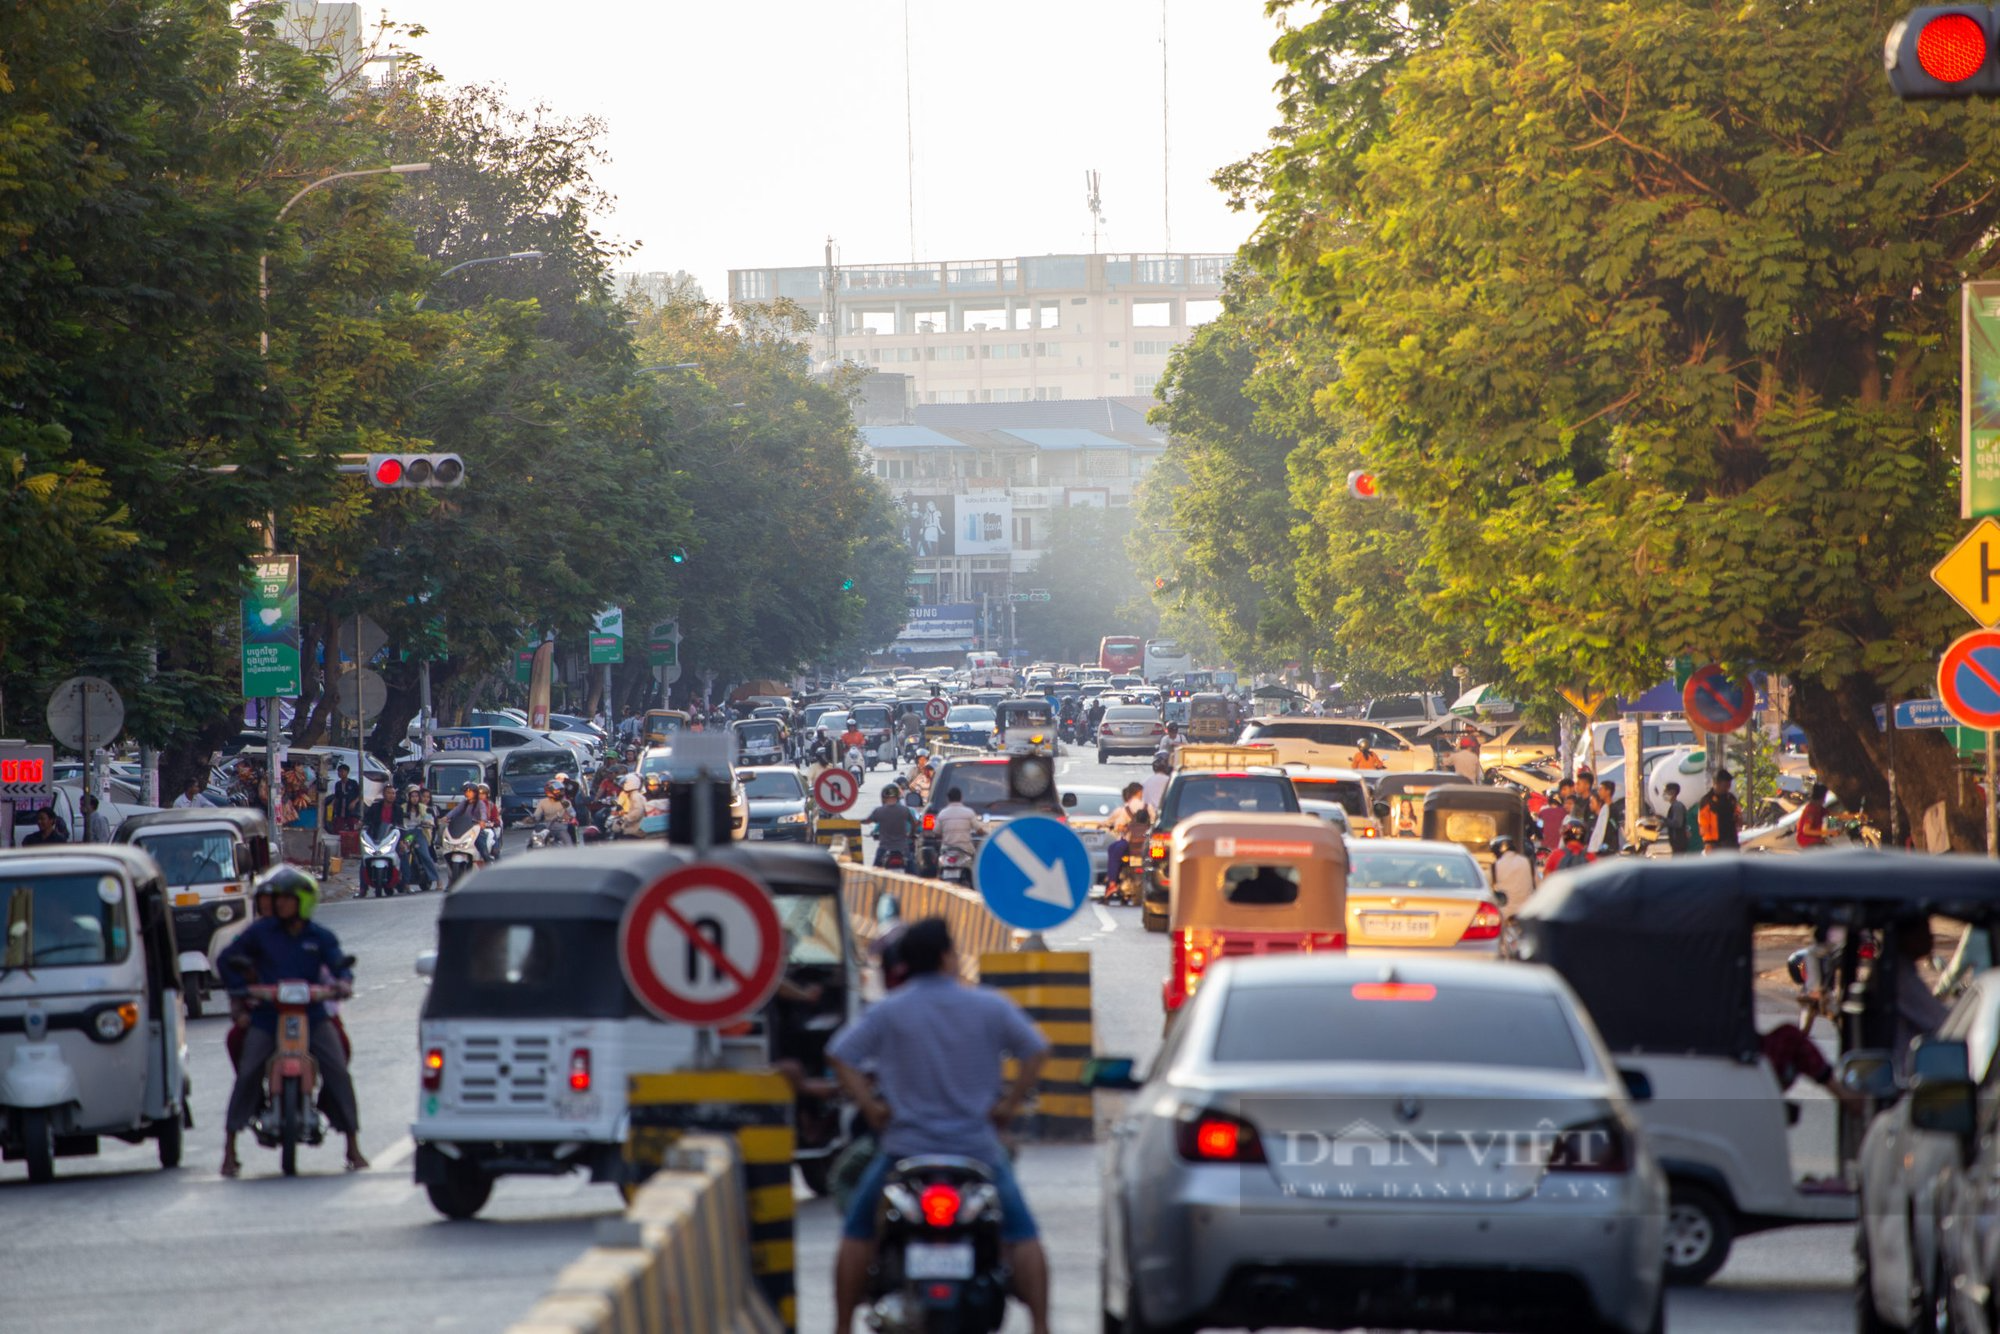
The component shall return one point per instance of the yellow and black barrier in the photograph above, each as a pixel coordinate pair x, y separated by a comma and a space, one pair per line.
1054, 988
974, 929
833, 827
754, 1107
682, 1264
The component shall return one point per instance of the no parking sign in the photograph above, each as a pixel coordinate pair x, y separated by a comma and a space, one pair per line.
1969, 680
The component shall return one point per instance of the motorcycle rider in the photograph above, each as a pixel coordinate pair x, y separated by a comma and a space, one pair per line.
854, 746
1154, 786
419, 822
1513, 874
286, 947
820, 754
934, 1049
631, 806
553, 810
1571, 852
922, 777
895, 827
1364, 757
957, 824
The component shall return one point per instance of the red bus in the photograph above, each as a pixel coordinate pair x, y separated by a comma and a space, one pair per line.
1121, 655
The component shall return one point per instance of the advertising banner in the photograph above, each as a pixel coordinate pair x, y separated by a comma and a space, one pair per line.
1979, 402
271, 629
949, 620
982, 525
541, 678
607, 641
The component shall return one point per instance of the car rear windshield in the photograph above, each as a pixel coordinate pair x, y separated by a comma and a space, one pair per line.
1130, 713
1370, 869
1347, 793
1443, 1025
1249, 792
981, 785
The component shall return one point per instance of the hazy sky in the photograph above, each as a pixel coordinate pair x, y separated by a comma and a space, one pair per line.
744, 132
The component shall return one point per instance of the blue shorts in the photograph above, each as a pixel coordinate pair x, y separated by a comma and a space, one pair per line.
1016, 1223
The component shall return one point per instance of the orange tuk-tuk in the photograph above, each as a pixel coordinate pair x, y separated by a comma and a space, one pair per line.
1245, 883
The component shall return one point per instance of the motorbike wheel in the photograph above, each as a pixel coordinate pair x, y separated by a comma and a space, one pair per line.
1152, 921
191, 995
291, 1127
168, 1136
462, 1193
38, 1146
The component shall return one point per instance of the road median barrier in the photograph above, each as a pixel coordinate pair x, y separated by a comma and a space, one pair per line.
1053, 986
678, 1262
975, 931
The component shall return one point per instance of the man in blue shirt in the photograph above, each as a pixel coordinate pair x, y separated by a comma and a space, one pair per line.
283, 947
934, 1048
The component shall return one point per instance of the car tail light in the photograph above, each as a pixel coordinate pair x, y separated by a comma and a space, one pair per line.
1595, 1146
1485, 924
433, 1069
1216, 1137
930, 823
579, 1070
1394, 991
940, 1204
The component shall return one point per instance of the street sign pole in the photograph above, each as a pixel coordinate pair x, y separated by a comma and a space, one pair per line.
1992, 804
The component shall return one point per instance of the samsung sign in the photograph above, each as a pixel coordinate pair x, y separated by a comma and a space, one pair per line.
948, 620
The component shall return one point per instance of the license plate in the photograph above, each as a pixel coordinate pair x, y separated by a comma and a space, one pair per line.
930, 1260
577, 1107
755, 833
1399, 925
186, 900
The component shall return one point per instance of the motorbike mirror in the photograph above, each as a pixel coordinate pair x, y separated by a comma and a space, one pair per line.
427, 963
887, 909
1109, 1072
1069, 798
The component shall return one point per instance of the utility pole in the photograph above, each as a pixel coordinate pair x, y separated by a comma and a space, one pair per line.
832, 310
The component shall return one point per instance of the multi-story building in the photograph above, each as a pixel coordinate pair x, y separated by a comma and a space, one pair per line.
1033, 329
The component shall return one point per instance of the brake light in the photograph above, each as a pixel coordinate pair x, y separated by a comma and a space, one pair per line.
1595, 1146
1866, 949
579, 1070
940, 1204
1485, 924
1394, 991
930, 823
433, 1068
1217, 1137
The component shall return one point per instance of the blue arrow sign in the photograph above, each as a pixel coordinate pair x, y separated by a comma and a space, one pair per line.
1033, 872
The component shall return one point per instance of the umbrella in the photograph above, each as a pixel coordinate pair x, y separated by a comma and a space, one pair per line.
1481, 699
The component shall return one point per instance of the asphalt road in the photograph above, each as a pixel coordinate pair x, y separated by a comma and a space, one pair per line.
116, 1244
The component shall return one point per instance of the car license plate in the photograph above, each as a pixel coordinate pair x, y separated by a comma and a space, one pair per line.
930, 1260
755, 833
1399, 925
577, 1107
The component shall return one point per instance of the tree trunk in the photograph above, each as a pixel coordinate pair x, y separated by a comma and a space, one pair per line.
1851, 757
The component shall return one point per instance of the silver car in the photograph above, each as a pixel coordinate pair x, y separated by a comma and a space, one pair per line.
1423, 1144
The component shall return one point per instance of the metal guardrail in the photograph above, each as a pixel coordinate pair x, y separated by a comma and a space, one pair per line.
974, 928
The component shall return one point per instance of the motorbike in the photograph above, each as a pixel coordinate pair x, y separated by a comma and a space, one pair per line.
938, 1262
1129, 879
381, 863
411, 837
288, 1114
460, 855
541, 835
955, 866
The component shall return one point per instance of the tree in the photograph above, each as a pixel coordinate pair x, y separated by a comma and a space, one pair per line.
1092, 585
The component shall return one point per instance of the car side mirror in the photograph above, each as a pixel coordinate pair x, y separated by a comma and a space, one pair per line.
1069, 799
1381, 809
1114, 1073
1868, 1071
1638, 1084
427, 963
1943, 1105
1940, 1060
887, 909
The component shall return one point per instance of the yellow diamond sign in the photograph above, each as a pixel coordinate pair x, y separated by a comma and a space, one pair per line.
1970, 572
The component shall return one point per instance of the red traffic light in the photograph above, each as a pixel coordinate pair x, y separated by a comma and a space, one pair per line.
388, 472
1951, 48
1361, 485
410, 471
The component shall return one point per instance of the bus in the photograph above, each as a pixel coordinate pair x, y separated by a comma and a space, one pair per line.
1121, 655
988, 669
1164, 660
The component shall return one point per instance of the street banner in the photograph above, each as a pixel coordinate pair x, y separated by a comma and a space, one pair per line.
540, 678
663, 644
607, 641
524, 664
271, 629
1979, 402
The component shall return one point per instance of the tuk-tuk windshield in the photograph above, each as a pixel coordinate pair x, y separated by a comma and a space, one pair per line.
526, 970
64, 921
1347, 792
452, 779
663, 724
811, 924
195, 858
1471, 828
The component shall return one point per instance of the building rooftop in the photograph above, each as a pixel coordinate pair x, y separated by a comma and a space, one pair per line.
1124, 416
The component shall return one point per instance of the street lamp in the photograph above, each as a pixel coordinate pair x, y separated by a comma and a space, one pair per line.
466, 264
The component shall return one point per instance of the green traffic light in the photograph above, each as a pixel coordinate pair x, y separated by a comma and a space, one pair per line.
847, 585
680, 556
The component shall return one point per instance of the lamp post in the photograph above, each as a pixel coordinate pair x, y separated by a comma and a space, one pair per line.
466, 264
271, 518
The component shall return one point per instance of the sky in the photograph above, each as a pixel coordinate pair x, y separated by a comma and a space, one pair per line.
743, 133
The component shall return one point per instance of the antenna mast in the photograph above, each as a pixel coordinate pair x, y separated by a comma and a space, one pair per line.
1093, 199
909, 133
1166, 155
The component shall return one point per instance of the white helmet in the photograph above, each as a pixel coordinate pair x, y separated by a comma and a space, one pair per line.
631, 783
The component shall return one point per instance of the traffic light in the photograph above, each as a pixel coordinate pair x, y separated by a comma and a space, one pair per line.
400, 471
847, 585
1943, 51
1361, 485
679, 556
1159, 583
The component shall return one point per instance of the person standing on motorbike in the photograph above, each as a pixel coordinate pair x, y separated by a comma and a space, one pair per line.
280, 948
895, 828
934, 1049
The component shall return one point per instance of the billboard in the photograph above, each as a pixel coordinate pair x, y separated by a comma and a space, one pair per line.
957, 525
944, 621
1979, 405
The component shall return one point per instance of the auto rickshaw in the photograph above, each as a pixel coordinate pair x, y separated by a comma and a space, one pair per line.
660, 726
759, 741
447, 777
1473, 816
526, 1039
210, 855
92, 1038
1662, 951
1399, 800
1211, 718
1247, 883
1024, 727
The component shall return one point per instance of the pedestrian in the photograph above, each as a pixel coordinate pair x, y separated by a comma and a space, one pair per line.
343, 802
1812, 818
1555, 813
191, 795
49, 829
1676, 820
1465, 760
94, 827
1720, 815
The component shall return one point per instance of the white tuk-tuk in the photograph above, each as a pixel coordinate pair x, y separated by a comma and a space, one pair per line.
210, 856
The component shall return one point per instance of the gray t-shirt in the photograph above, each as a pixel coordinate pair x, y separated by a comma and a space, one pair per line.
893, 823
935, 1046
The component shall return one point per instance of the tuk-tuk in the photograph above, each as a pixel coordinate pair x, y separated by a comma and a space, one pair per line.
209, 855
1210, 718
660, 726
527, 1036
1661, 951
1025, 727
1473, 816
759, 741
1251, 884
1399, 800
92, 1038
447, 776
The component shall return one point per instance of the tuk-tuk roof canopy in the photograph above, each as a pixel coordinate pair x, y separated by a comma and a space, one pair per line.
597, 882
136, 861
1395, 784
249, 823
1199, 834
1472, 797
1660, 949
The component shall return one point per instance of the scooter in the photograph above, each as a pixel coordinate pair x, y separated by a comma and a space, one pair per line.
289, 1115
955, 866
938, 1263
461, 854
381, 867
541, 836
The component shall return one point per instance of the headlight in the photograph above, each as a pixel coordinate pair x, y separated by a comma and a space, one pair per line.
114, 1021
225, 912
797, 817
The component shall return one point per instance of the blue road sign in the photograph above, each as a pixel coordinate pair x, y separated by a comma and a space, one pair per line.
1034, 873
1916, 715
464, 738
